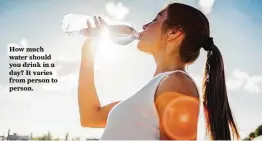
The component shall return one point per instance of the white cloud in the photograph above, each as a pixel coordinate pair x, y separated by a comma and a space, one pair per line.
206, 5
238, 80
65, 84
254, 84
117, 10
245, 81
13, 45
114, 22
24, 43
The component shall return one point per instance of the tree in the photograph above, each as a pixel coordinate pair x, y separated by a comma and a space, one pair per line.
252, 135
66, 137
49, 136
8, 132
258, 131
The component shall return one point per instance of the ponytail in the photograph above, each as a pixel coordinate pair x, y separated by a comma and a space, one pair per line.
219, 117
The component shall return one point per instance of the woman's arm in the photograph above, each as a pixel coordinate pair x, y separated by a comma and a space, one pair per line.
177, 104
91, 112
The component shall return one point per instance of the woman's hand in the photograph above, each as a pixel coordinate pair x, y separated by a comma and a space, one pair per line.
99, 25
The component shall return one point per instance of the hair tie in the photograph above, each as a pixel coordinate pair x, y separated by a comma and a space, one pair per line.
208, 44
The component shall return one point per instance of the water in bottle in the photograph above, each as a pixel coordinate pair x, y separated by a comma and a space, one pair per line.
76, 24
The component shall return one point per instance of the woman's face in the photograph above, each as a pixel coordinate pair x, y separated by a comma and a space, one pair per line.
150, 38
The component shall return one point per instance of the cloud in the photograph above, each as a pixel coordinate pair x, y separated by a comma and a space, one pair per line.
254, 84
65, 84
24, 43
117, 10
243, 80
237, 80
64, 68
13, 45
206, 5
114, 22
66, 71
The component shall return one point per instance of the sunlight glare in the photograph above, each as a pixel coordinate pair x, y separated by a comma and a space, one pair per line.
105, 50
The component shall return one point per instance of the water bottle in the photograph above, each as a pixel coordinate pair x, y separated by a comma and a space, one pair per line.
76, 25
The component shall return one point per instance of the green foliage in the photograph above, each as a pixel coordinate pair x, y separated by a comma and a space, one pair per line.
66, 136
47, 136
252, 135
258, 131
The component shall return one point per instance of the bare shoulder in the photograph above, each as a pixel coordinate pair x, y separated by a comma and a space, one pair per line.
173, 89
177, 82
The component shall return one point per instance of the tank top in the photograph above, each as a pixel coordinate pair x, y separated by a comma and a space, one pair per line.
136, 118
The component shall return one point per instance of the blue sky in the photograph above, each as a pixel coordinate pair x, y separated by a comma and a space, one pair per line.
235, 26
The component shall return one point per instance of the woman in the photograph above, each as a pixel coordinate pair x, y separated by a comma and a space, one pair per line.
174, 38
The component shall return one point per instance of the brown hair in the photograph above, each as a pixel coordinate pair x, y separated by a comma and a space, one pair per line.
197, 34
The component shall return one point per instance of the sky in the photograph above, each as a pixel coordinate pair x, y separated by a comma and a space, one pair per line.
120, 70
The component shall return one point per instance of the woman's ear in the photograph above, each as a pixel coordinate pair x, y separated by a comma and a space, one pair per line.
174, 33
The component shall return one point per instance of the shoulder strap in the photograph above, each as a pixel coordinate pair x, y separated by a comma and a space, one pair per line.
181, 71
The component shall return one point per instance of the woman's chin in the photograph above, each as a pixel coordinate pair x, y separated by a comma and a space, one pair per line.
141, 47
144, 48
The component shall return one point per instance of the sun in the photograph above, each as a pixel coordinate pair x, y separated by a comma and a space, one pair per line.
105, 49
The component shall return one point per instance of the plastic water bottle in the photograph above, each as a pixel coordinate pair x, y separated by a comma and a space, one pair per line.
76, 25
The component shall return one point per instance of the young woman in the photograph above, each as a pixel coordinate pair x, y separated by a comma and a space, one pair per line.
168, 106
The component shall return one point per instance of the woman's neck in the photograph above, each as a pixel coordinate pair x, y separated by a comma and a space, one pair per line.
165, 64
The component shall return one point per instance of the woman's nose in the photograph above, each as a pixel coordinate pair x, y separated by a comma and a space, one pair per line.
145, 26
